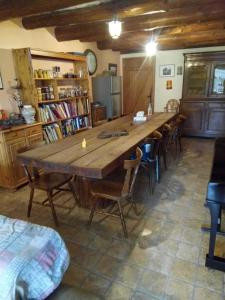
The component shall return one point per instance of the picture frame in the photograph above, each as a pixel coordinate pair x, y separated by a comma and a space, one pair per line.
179, 70
167, 70
112, 68
1, 82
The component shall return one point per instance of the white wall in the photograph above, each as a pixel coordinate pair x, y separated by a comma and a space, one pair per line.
13, 36
162, 95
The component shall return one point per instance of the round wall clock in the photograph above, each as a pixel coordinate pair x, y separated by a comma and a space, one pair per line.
91, 61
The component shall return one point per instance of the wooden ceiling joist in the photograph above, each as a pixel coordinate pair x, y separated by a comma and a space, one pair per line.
19, 8
164, 41
105, 11
102, 12
99, 31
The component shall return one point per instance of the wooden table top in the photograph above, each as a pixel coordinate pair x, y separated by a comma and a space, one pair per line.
100, 156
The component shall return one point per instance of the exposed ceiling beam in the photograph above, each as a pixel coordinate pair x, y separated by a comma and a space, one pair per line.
105, 12
19, 8
164, 41
102, 12
99, 31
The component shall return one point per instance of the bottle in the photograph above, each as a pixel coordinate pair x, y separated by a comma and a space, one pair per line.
149, 109
84, 144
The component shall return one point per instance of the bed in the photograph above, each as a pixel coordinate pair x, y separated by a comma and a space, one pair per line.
33, 259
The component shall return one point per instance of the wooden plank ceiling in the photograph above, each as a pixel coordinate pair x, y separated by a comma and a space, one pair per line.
175, 24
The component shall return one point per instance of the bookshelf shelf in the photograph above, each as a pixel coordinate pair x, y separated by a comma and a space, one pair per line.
61, 100
56, 114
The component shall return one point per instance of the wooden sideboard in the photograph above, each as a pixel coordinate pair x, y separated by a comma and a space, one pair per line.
11, 173
203, 100
98, 114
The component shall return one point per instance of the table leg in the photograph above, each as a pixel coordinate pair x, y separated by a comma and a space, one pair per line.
83, 188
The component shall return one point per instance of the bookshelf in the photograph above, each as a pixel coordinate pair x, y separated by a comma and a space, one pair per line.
57, 86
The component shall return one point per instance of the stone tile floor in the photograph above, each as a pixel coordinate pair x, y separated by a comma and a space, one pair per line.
165, 253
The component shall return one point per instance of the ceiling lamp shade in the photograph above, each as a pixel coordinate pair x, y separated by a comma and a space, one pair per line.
115, 28
151, 48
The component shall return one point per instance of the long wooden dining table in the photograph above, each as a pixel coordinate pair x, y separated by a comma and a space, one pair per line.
100, 156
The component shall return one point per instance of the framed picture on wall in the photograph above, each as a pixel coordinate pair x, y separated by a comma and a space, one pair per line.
113, 69
1, 82
167, 70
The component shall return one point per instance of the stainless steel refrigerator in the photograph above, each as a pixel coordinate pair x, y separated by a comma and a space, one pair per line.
107, 91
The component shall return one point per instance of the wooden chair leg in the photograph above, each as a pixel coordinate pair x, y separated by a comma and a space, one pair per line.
72, 188
30, 202
49, 193
95, 202
122, 220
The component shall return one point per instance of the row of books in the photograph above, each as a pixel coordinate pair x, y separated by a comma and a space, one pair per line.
53, 132
63, 110
69, 127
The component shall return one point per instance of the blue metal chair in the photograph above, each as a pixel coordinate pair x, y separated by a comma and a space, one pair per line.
151, 157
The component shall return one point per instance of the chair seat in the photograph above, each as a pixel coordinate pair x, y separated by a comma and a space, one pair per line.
50, 181
107, 189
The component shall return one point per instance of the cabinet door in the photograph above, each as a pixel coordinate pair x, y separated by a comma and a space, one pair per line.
196, 80
18, 174
35, 138
195, 113
215, 119
217, 84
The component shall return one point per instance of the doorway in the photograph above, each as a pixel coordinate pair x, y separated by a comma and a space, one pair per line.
138, 83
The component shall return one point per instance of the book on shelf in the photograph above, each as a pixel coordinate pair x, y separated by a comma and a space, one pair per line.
63, 110
69, 127
52, 133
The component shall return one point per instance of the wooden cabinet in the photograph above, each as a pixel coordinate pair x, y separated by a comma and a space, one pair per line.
98, 114
203, 100
11, 173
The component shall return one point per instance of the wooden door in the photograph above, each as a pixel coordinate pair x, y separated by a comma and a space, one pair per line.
215, 119
138, 84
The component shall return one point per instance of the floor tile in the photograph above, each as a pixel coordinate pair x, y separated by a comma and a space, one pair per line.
188, 252
153, 283
179, 290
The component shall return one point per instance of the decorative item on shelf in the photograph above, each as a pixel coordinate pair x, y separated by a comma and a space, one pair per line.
56, 71
28, 112
91, 61
115, 28
43, 74
3, 114
112, 69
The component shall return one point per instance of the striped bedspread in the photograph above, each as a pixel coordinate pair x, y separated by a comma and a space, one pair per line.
33, 260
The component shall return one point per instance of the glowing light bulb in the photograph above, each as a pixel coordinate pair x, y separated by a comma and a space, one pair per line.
151, 48
115, 28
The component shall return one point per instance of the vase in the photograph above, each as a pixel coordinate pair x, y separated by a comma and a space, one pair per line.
28, 112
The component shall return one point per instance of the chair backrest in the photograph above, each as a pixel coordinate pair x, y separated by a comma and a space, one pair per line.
172, 106
31, 171
131, 167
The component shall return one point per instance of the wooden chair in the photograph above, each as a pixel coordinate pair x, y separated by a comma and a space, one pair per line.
151, 158
172, 106
48, 181
117, 192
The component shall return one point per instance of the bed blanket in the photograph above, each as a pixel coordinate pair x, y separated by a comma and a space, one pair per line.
33, 260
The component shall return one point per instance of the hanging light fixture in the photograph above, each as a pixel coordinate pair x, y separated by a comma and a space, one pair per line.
151, 48
115, 28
